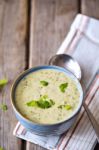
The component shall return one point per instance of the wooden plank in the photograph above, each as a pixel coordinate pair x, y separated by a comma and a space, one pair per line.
90, 8
50, 22
13, 18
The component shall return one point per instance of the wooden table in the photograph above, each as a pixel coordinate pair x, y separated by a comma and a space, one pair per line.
30, 33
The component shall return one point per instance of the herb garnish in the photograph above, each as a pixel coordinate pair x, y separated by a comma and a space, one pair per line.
63, 87
43, 102
32, 103
44, 83
3, 82
61, 106
3, 107
67, 106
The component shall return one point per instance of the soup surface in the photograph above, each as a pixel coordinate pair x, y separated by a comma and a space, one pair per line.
47, 96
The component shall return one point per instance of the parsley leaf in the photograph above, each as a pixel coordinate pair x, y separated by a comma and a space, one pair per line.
32, 103
63, 87
44, 83
68, 107
3, 82
42, 102
4, 107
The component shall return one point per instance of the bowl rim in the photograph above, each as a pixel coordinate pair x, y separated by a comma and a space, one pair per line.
33, 69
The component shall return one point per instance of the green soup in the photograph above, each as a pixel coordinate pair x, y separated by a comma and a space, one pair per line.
47, 96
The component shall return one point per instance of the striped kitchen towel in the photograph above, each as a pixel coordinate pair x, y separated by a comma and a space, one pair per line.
82, 42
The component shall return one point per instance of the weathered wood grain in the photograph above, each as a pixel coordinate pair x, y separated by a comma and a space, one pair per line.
90, 8
13, 18
49, 24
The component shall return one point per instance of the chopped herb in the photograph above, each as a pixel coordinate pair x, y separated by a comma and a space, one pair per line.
3, 82
32, 103
68, 107
42, 102
4, 107
61, 106
52, 102
45, 102
1, 148
44, 97
44, 83
63, 87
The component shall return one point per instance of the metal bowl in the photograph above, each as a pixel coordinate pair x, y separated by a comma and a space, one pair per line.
46, 129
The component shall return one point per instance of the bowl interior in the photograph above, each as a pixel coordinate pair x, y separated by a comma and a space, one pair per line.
60, 69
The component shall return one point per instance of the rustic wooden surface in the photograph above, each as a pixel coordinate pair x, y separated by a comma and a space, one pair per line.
52, 22
30, 33
13, 18
90, 8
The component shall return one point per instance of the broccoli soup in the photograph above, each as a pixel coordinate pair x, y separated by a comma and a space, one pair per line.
47, 96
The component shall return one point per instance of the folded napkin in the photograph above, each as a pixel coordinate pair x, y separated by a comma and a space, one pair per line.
82, 42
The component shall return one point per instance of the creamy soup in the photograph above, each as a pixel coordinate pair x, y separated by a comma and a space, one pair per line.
47, 96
